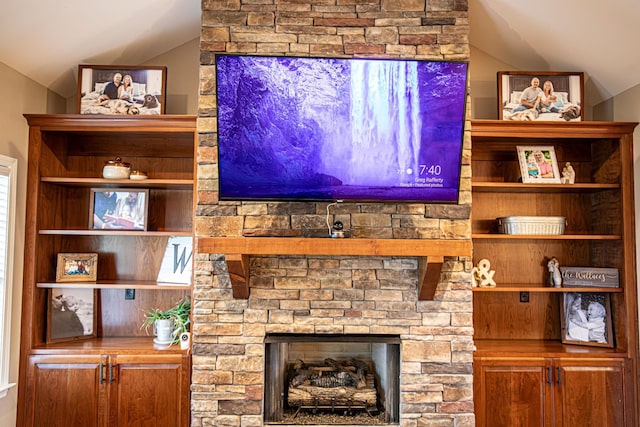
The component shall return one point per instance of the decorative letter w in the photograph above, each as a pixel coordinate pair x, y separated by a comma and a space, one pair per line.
179, 260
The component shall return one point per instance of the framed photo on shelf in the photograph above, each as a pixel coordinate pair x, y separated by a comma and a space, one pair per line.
121, 89
76, 267
538, 165
586, 319
118, 209
561, 96
71, 314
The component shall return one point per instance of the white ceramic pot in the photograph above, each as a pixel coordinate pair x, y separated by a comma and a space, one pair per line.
162, 328
116, 169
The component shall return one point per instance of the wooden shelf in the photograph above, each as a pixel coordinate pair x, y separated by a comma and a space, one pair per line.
114, 345
164, 123
540, 348
431, 254
517, 187
495, 130
85, 232
546, 289
547, 236
185, 184
116, 284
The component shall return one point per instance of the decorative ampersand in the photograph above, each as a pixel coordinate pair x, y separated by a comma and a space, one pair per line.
482, 275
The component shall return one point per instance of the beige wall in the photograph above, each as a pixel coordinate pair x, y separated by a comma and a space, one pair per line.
19, 95
182, 65
483, 70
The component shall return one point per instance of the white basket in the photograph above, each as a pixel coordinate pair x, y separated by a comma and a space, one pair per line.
531, 224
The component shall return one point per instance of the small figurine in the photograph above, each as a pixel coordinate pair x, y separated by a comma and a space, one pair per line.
482, 275
568, 174
555, 277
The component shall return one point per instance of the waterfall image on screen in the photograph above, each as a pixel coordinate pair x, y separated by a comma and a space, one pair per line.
292, 128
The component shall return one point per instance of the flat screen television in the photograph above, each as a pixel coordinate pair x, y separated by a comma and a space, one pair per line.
302, 128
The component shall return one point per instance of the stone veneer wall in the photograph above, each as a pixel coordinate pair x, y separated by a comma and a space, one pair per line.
319, 294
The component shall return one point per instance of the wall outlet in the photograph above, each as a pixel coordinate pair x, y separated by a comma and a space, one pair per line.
524, 296
129, 294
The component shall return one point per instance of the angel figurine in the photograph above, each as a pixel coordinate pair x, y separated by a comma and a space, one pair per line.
568, 174
555, 277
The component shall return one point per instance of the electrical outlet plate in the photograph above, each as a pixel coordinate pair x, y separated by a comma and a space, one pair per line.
129, 294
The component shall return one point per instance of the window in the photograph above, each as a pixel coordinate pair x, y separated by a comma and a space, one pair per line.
8, 178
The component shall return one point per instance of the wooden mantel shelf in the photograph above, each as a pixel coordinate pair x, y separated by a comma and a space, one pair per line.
237, 250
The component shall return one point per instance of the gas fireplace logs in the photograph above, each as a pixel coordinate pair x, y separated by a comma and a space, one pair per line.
346, 385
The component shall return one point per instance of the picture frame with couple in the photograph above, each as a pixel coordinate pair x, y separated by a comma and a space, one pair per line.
561, 96
586, 319
121, 89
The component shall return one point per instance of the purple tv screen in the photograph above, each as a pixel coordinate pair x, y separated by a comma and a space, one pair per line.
292, 128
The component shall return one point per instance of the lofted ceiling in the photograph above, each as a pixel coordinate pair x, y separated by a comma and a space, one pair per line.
595, 37
47, 40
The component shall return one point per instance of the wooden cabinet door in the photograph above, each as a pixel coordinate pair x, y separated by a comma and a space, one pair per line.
589, 393
512, 392
66, 391
152, 391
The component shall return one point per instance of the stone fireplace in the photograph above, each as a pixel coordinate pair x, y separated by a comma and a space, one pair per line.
327, 296
324, 296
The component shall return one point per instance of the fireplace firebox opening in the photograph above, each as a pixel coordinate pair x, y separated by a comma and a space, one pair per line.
316, 379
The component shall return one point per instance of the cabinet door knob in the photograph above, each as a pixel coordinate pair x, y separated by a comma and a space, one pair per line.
559, 373
549, 375
101, 373
111, 376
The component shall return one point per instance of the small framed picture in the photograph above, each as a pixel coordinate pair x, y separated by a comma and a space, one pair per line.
71, 314
118, 209
586, 319
538, 165
121, 90
76, 267
541, 96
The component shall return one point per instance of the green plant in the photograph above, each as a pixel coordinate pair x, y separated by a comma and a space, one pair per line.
179, 313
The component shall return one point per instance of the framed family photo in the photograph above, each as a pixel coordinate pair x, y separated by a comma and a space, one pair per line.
541, 96
71, 314
538, 165
76, 267
118, 209
121, 90
586, 319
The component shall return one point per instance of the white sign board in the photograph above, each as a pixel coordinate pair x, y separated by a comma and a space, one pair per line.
177, 261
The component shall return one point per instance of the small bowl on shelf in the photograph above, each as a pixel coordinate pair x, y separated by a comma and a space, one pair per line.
116, 169
138, 175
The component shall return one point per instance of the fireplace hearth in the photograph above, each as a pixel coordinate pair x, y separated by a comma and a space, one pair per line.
332, 379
